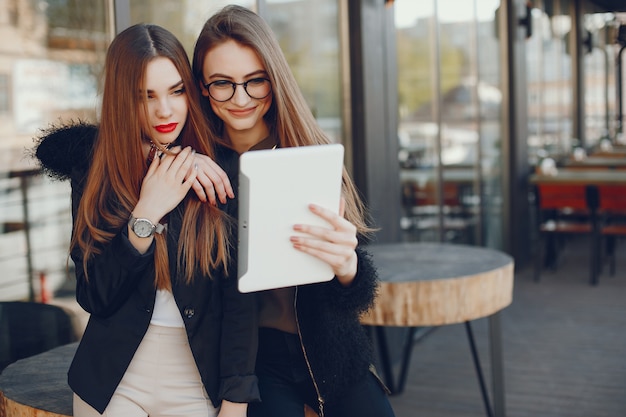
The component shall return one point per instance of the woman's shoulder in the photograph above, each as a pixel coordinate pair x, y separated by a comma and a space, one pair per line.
225, 154
63, 148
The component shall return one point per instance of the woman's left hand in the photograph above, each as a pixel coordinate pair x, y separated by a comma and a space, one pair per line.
211, 182
229, 409
335, 246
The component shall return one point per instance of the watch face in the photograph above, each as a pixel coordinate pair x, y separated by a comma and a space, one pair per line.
143, 228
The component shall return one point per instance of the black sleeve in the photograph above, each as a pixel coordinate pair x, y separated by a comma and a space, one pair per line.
111, 275
359, 296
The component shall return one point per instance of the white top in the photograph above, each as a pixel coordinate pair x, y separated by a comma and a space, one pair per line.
166, 311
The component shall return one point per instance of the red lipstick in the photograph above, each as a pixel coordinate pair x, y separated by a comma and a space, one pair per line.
166, 128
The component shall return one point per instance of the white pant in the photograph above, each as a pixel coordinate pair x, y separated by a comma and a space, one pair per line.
161, 380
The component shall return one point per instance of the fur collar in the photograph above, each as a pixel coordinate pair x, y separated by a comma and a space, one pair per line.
60, 149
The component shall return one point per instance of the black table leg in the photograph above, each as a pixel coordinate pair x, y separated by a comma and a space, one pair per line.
497, 368
396, 387
479, 372
497, 371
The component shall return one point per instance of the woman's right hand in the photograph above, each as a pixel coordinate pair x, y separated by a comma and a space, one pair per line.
166, 184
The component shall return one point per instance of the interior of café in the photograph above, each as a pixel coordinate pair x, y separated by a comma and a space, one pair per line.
491, 124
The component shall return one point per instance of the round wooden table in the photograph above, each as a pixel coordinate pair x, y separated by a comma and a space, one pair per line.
37, 386
434, 284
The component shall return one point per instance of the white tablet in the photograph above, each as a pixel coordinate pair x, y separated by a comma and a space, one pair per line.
275, 188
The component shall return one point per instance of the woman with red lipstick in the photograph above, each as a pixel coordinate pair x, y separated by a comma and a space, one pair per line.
167, 327
312, 348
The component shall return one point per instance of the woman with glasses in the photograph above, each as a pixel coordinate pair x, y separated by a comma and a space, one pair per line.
168, 334
312, 348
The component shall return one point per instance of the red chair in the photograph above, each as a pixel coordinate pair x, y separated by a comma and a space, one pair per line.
612, 209
565, 210
421, 205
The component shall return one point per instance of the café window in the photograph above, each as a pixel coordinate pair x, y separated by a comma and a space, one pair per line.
449, 132
183, 19
308, 33
50, 67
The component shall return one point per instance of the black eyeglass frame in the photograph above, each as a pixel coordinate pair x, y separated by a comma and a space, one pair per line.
234, 85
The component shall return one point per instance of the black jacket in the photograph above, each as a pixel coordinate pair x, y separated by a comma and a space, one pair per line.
220, 322
336, 345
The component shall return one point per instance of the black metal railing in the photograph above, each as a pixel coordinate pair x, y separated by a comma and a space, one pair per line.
35, 226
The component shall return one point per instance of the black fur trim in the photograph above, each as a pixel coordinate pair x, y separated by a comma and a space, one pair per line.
59, 149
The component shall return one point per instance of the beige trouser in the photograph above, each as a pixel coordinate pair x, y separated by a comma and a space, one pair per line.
161, 380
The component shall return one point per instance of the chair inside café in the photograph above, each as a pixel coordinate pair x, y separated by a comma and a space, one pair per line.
30, 328
562, 212
612, 212
421, 205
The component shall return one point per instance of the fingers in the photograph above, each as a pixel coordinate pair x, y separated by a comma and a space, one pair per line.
222, 181
334, 245
341, 257
213, 181
193, 176
201, 193
188, 169
210, 182
178, 168
341, 229
208, 186
167, 182
182, 166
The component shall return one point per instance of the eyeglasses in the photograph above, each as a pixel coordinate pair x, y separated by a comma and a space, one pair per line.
224, 90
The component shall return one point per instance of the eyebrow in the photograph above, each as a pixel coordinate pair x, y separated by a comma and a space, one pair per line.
172, 87
257, 72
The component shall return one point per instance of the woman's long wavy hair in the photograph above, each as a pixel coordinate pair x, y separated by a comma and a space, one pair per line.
289, 117
119, 166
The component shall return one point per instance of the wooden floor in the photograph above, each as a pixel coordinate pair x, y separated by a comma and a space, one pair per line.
564, 348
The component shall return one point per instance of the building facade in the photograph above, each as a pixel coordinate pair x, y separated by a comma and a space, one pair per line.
444, 106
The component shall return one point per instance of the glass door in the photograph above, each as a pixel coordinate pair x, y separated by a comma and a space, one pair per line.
449, 121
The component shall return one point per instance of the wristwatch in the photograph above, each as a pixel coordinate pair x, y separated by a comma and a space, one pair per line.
144, 227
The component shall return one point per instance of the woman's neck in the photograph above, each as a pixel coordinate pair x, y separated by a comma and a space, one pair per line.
243, 140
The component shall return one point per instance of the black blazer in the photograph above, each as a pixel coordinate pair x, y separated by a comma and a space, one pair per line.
220, 322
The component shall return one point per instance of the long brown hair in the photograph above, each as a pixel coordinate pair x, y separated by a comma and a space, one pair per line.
289, 118
118, 166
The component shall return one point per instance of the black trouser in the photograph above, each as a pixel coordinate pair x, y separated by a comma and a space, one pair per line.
285, 384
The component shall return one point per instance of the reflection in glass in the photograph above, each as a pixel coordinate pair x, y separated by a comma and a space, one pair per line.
449, 131
600, 81
52, 55
549, 84
418, 130
488, 192
308, 33
183, 18
550, 81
